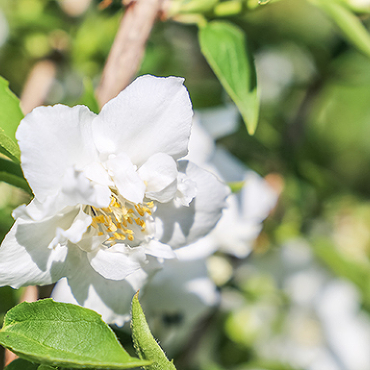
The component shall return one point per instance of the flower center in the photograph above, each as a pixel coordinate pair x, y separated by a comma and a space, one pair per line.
122, 221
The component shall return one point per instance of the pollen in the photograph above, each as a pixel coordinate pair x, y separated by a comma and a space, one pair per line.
122, 220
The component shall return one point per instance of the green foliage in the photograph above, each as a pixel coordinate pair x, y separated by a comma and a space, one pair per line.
46, 367
224, 47
10, 116
236, 186
192, 6
11, 173
66, 335
21, 364
145, 345
350, 25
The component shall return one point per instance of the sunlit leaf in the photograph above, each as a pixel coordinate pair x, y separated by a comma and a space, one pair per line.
224, 46
60, 334
145, 345
10, 116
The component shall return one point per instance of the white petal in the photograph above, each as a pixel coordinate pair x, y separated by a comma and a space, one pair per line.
178, 225
51, 140
126, 178
78, 189
157, 249
25, 258
201, 249
152, 115
228, 167
258, 198
201, 144
110, 298
158, 172
75, 232
176, 298
186, 190
117, 262
220, 121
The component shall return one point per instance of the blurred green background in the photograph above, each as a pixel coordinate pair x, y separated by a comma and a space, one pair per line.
313, 131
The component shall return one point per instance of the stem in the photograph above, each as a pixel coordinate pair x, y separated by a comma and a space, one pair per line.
128, 48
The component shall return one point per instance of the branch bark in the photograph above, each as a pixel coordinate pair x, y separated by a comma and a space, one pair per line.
128, 48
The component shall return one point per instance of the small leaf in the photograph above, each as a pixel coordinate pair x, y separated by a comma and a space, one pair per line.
145, 345
65, 335
349, 24
224, 47
46, 367
10, 116
8, 146
193, 6
11, 173
236, 186
20, 364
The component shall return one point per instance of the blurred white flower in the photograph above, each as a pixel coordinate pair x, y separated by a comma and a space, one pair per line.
110, 194
323, 326
175, 301
241, 221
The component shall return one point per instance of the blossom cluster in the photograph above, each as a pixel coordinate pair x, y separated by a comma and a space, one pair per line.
119, 204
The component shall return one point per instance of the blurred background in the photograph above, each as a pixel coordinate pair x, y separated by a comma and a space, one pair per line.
301, 298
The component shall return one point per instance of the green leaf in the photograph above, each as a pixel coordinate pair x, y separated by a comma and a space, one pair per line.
20, 364
10, 116
192, 6
88, 98
236, 186
224, 47
349, 24
60, 334
145, 345
46, 367
11, 173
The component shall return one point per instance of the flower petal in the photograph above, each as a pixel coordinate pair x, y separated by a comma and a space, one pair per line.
220, 121
176, 298
258, 198
75, 232
25, 256
97, 293
152, 115
159, 173
126, 178
201, 144
157, 249
51, 140
177, 225
117, 262
110, 298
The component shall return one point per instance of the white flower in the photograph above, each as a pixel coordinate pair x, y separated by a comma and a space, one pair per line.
110, 193
173, 298
241, 221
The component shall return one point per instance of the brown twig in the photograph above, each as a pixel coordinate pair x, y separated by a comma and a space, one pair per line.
128, 48
37, 85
